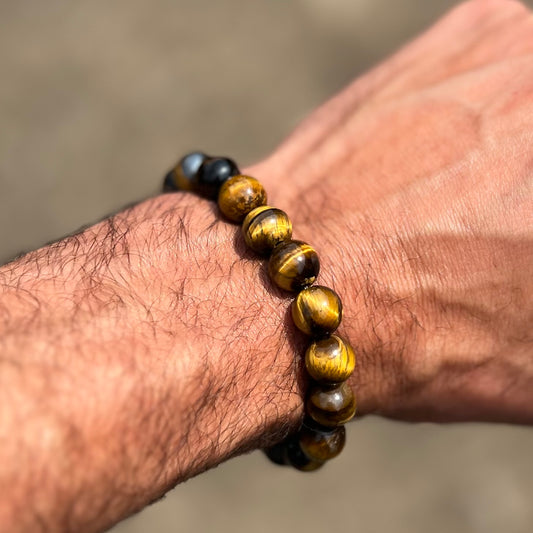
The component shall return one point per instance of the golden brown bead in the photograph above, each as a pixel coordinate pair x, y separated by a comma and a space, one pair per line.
239, 195
180, 180
330, 360
321, 445
310, 466
331, 406
317, 311
293, 265
298, 459
265, 227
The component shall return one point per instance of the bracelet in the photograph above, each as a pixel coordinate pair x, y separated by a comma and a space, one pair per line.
317, 311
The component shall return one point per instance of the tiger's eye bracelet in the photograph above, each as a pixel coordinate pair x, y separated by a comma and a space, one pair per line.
316, 311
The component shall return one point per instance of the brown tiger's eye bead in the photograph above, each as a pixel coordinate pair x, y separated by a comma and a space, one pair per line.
321, 445
293, 265
331, 406
330, 360
239, 195
298, 459
317, 311
264, 227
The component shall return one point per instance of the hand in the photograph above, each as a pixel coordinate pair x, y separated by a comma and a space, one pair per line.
415, 185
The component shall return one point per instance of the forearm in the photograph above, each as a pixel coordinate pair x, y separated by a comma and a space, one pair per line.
420, 172
134, 355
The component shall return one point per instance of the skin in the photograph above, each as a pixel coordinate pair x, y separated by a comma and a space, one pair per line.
152, 346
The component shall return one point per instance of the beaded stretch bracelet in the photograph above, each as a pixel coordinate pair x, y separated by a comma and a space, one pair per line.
317, 311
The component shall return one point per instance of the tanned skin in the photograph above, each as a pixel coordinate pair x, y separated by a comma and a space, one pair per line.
151, 346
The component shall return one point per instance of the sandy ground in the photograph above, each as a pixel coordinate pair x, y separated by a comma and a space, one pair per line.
98, 98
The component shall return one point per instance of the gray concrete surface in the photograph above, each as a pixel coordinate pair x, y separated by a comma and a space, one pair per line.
98, 98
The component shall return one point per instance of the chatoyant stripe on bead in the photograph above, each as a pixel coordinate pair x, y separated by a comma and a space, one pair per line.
330, 360
331, 406
322, 445
317, 311
293, 265
264, 227
239, 195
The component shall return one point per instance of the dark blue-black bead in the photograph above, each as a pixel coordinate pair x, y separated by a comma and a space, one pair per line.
278, 453
183, 176
191, 163
212, 174
186, 171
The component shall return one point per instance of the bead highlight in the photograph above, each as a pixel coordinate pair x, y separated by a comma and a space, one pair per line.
331, 406
183, 175
293, 265
264, 227
321, 444
330, 360
317, 311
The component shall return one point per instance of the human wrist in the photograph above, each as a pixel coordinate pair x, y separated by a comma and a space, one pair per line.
216, 303
207, 330
364, 263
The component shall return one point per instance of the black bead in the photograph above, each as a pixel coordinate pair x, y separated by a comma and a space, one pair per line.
191, 163
212, 174
278, 453
181, 176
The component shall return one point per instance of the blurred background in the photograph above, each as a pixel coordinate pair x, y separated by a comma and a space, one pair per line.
99, 98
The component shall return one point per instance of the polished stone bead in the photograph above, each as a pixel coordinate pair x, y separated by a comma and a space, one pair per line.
278, 453
183, 175
168, 182
298, 459
293, 265
330, 360
212, 174
331, 406
317, 311
264, 227
322, 444
239, 195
